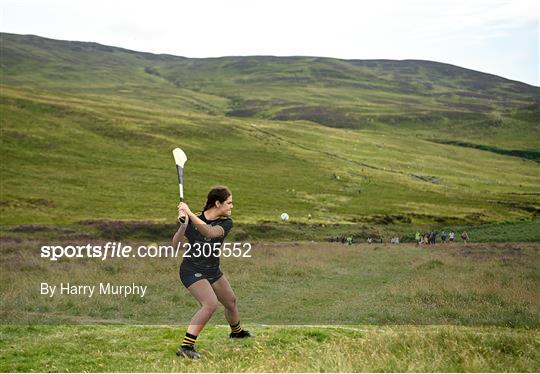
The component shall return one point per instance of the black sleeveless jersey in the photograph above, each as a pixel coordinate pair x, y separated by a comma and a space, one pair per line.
201, 251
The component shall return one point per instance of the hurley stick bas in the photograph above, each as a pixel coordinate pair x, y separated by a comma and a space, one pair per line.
180, 159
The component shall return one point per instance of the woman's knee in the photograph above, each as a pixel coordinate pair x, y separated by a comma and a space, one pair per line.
210, 305
230, 303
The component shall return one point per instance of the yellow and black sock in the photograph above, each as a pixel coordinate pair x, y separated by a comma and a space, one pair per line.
189, 340
236, 328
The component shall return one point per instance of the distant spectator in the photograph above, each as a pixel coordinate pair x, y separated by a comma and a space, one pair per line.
465, 236
369, 240
451, 236
432, 237
443, 236
417, 238
349, 240
426, 238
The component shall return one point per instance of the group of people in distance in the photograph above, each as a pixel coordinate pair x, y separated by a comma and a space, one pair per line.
431, 237
343, 239
426, 238
393, 240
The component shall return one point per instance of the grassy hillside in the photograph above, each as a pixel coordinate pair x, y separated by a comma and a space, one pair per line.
337, 93
87, 132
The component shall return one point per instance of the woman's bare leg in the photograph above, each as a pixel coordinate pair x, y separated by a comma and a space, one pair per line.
226, 296
202, 291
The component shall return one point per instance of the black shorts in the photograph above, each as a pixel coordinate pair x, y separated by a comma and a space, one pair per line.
189, 274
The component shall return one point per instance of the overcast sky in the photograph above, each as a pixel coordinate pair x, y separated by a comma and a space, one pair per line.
495, 36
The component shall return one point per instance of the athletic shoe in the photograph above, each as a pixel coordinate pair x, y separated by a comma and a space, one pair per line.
240, 335
188, 352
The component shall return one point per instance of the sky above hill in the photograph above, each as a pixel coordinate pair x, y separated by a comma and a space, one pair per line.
500, 37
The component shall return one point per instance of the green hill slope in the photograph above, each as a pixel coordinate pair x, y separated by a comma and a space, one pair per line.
87, 132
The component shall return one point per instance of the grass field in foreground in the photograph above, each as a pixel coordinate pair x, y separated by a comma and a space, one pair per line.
285, 349
486, 284
450, 308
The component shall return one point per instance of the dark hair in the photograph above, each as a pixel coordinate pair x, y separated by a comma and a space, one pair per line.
218, 193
